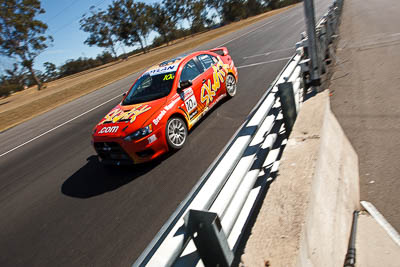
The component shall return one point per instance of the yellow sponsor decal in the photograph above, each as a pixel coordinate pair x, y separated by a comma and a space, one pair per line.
119, 115
208, 90
207, 93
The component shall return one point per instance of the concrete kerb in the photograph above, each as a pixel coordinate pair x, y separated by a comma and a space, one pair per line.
306, 216
391, 232
375, 243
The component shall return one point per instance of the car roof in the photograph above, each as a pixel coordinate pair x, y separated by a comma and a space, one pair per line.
175, 60
171, 64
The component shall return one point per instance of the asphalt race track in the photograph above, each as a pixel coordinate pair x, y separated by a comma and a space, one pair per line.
60, 207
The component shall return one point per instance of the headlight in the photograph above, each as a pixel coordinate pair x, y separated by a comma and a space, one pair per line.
139, 133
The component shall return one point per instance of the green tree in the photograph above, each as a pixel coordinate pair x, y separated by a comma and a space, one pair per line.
51, 72
21, 35
99, 24
175, 8
163, 22
254, 7
16, 75
217, 6
196, 14
131, 21
14, 80
234, 10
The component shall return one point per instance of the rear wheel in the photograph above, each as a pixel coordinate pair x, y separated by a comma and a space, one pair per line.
176, 133
231, 85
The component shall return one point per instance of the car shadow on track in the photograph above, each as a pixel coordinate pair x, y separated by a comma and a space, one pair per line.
95, 179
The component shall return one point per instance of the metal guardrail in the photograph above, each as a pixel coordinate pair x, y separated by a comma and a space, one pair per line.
201, 227
325, 34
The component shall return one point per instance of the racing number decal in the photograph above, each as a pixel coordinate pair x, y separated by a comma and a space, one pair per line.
168, 77
191, 104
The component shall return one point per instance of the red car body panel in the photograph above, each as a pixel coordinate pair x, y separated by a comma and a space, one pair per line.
207, 89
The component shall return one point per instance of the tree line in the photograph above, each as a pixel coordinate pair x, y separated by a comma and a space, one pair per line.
128, 22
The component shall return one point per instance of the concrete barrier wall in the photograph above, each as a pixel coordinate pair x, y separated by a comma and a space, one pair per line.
307, 213
333, 198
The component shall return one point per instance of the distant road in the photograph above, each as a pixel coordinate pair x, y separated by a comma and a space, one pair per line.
60, 207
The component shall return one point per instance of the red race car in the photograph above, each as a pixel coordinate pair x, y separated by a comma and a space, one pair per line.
162, 105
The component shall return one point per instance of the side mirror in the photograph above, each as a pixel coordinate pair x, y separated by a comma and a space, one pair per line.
184, 84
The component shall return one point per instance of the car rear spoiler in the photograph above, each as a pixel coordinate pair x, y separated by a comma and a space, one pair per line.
222, 51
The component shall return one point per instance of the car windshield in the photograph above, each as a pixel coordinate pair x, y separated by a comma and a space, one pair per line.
150, 87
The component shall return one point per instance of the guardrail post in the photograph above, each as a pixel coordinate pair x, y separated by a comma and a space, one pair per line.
206, 231
286, 94
312, 43
321, 37
330, 24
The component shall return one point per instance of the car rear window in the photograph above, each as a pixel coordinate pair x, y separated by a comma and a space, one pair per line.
206, 61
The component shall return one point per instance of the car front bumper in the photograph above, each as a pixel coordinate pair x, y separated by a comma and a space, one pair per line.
117, 151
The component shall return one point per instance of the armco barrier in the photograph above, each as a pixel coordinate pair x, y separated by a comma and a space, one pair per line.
202, 224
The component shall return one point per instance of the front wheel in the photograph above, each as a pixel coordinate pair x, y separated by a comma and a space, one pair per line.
176, 133
231, 85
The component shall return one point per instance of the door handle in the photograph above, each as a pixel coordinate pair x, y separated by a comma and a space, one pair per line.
204, 81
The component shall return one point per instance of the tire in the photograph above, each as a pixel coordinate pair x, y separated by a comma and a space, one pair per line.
231, 86
176, 133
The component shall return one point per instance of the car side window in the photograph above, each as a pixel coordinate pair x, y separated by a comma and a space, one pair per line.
190, 71
206, 61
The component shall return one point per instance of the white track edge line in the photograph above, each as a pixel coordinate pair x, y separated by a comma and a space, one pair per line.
264, 62
382, 221
253, 30
270, 52
271, 21
58, 126
240, 36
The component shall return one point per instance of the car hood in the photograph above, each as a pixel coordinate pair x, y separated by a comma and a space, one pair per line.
123, 120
